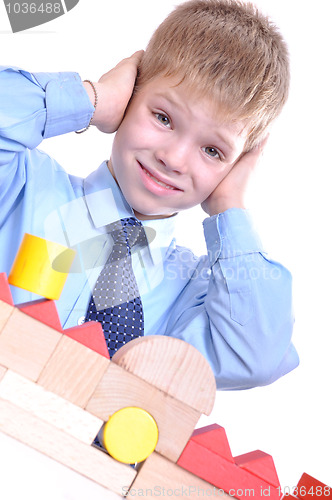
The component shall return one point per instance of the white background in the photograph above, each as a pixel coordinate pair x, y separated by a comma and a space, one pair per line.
289, 198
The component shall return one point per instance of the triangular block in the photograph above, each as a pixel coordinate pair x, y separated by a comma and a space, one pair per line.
311, 489
43, 310
261, 464
5, 293
213, 437
91, 335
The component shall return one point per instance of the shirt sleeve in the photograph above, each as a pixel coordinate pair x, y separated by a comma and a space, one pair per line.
34, 107
38, 106
237, 307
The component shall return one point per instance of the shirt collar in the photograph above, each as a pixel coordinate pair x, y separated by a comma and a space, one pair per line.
101, 190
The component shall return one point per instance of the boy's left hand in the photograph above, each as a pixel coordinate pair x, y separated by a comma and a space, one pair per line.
230, 193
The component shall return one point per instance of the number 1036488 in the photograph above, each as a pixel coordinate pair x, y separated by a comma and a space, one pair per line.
301, 491
34, 8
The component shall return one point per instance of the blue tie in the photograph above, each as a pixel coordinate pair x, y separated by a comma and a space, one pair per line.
115, 301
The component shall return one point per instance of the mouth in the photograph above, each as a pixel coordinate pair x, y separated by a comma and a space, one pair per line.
158, 181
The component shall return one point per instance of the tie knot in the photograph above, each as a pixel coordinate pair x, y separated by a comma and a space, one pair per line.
134, 231
128, 232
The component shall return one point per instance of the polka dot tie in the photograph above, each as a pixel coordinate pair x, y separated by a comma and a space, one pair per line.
115, 301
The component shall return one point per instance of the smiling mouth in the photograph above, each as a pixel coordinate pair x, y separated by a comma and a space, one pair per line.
158, 181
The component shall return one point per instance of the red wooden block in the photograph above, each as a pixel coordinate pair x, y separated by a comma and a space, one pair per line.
5, 293
261, 464
91, 335
207, 463
45, 311
213, 437
310, 488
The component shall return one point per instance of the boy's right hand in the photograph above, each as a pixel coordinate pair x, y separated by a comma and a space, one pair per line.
114, 90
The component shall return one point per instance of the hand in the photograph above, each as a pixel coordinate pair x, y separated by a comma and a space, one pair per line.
114, 91
230, 193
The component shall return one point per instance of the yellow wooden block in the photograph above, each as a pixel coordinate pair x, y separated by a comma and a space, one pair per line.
73, 371
172, 365
57, 444
118, 389
41, 266
26, 344
130, 435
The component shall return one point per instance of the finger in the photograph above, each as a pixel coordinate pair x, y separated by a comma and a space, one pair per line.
135, 58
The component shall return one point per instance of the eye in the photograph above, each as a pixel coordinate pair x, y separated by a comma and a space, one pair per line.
163, 119
213, 152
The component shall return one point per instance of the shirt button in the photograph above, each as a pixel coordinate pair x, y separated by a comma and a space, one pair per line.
81, 320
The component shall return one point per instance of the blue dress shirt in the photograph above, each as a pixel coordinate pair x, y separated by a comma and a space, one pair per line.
233, 304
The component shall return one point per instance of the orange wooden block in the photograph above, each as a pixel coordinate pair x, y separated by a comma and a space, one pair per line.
5, 293
310, 488
91, 335
73, 371
260, 464
45, 311
205, 461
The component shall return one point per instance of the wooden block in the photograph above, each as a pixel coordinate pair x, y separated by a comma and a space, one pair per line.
215, 469
73, 371
26, 344
3, 370
159, 477
213, 437
49, 407
62, 447
260, 464
91, 335
172, 365
310, 488
45, 311
5, 313
41, 477
5, 293
119, 389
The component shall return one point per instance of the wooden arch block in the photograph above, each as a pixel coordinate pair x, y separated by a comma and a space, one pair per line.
173, 366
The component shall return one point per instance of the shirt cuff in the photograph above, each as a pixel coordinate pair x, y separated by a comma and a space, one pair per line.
231, 234
67, 103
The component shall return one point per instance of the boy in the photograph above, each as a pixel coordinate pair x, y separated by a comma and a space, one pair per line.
212, 79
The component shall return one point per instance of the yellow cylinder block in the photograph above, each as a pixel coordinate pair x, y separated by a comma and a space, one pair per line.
41, 266
130, 435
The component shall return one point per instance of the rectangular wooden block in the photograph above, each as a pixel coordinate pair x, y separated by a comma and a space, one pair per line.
3, 370
73, 371
5, 313
159, 477
49, 407
119, 389
41, 477
26, 344
62, 447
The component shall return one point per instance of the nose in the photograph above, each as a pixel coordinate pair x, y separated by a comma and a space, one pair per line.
174, 156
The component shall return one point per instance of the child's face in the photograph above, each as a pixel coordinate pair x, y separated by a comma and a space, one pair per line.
170, 152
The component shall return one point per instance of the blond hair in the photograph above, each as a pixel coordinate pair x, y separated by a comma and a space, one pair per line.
227, 51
